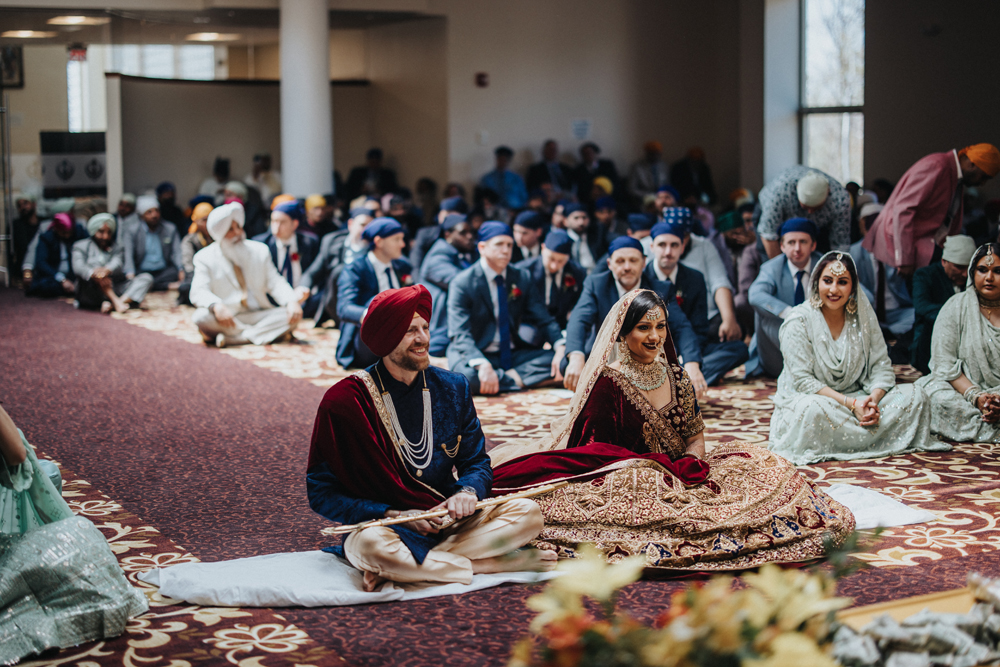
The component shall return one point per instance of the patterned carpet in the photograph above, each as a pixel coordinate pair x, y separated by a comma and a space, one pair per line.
179, 452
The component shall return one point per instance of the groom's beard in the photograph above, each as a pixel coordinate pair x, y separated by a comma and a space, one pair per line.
236, 250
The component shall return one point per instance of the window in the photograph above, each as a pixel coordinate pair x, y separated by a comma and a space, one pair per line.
833, 87
164, 61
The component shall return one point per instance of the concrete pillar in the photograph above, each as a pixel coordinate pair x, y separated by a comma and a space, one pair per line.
114, 154
306, 113
781, 86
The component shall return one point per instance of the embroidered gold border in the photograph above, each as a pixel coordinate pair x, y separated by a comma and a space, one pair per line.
660, 435
387, 425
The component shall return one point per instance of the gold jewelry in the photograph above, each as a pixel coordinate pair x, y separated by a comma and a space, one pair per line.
837, 268
653, 314
852, 305
989, 256
987, 304
623, 351
815, 301
454, 450
646, 377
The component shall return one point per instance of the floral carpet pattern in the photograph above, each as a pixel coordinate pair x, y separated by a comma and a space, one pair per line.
961, 487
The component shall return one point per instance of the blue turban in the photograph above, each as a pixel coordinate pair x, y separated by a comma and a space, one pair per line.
530, 220
672, 190
493, 228
638, 222
454, 205
678, 215
384, 227
451, 221
292, 209
680, 231
559, 241
606, 202
573, 207
201, 199
360, 210
165, 186
799, 225
624, 242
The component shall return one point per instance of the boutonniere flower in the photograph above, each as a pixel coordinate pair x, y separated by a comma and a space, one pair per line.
406, 280
569, 282
295, 256
515, 293
680, 298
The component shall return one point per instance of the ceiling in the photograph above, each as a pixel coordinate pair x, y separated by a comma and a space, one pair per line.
254, 26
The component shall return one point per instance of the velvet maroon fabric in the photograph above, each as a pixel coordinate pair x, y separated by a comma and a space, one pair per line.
549, 466
348, 435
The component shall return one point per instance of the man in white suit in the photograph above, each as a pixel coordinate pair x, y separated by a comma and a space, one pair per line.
233, 278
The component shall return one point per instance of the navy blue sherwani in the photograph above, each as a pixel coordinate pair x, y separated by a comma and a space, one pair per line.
718, 358
564, 295
357, 285
472, 327
441, 264
455, 424
47, 261
770, 294
598, 298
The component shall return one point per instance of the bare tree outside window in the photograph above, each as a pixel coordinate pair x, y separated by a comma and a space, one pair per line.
833, 87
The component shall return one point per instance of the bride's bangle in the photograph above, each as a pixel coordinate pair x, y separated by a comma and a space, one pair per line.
972, 395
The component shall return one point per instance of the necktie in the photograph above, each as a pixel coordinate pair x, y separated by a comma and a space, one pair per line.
553, 294
503, 323
286, 268
388, 277
463, 260
800, 291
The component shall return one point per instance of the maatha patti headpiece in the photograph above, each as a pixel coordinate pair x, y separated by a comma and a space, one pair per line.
653, 313
837, 268
990, 258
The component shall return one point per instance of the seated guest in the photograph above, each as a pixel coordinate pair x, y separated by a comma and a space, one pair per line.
781, 284
700, 254
408, 459
336, 251
24, 228
445, 260
379, 269
509, 186
190, 245
933, 285
53, 265
64, 205
98, 263
249, 198
125, 216
801, 192
153, 247
292, 251
497, 321
166, 198
735, 239
216, 183
319, 215
606, 215
233, 279
589, 240
887, 292
550, 171
964, 384
837, 395
693, 177
62, 583
266, 180
426, 236
666, 196
640, 226
591, 167
602, 290
719, 356
372, 178
558, 278
529, 227
649, 173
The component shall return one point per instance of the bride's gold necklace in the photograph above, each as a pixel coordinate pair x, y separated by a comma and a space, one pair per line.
647, 377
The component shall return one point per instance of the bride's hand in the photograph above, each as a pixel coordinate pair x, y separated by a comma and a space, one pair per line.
697, 450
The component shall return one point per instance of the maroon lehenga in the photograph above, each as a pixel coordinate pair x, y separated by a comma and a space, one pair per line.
634, 491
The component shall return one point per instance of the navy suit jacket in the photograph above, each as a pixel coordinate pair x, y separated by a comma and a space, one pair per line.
774, 289
565, 295
599, 296
423, 241
471, 323
441, 264
47, 255
356, 287
308, 248
691, 297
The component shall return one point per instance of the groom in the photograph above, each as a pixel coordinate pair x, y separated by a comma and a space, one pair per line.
384, 444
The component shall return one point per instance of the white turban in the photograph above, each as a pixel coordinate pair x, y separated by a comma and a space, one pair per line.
959, 249
146, 202
220, 220
812, 189
871, 208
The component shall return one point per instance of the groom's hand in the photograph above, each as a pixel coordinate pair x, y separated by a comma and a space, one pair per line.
574, 369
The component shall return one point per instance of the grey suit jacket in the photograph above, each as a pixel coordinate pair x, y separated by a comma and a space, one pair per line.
774, 289
135, 246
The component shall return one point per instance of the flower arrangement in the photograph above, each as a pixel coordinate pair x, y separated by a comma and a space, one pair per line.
680, 298
405, 280
569, 282
515, 293
782, 618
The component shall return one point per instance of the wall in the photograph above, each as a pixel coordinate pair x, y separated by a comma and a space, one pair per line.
928, 86
407, 64
348, 58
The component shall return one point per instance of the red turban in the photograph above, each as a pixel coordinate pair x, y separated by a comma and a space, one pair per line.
390, 314
62, 221
984, 156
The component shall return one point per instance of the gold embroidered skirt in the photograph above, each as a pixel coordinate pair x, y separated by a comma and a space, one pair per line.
754, 508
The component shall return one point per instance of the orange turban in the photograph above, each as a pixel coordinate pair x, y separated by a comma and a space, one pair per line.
984, 156
281, 199
605, 184
312, 201
390, 314
201, 210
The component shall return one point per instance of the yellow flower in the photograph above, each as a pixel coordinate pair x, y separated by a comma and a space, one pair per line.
793, 649
553, 605
591, 575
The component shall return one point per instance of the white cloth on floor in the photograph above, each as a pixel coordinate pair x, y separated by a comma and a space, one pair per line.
300, 579
872, 509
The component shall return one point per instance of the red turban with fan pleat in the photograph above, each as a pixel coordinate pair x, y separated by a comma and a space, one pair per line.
390, 314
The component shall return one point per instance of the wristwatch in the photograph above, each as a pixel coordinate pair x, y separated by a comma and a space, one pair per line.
469, 489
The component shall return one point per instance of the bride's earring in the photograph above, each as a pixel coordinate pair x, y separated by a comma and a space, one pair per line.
624, 354
852, 305
815, 301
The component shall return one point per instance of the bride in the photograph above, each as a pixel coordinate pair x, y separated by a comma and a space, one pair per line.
633, 451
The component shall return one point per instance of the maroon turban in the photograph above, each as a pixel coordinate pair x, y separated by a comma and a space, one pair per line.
390, 314
62, 221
